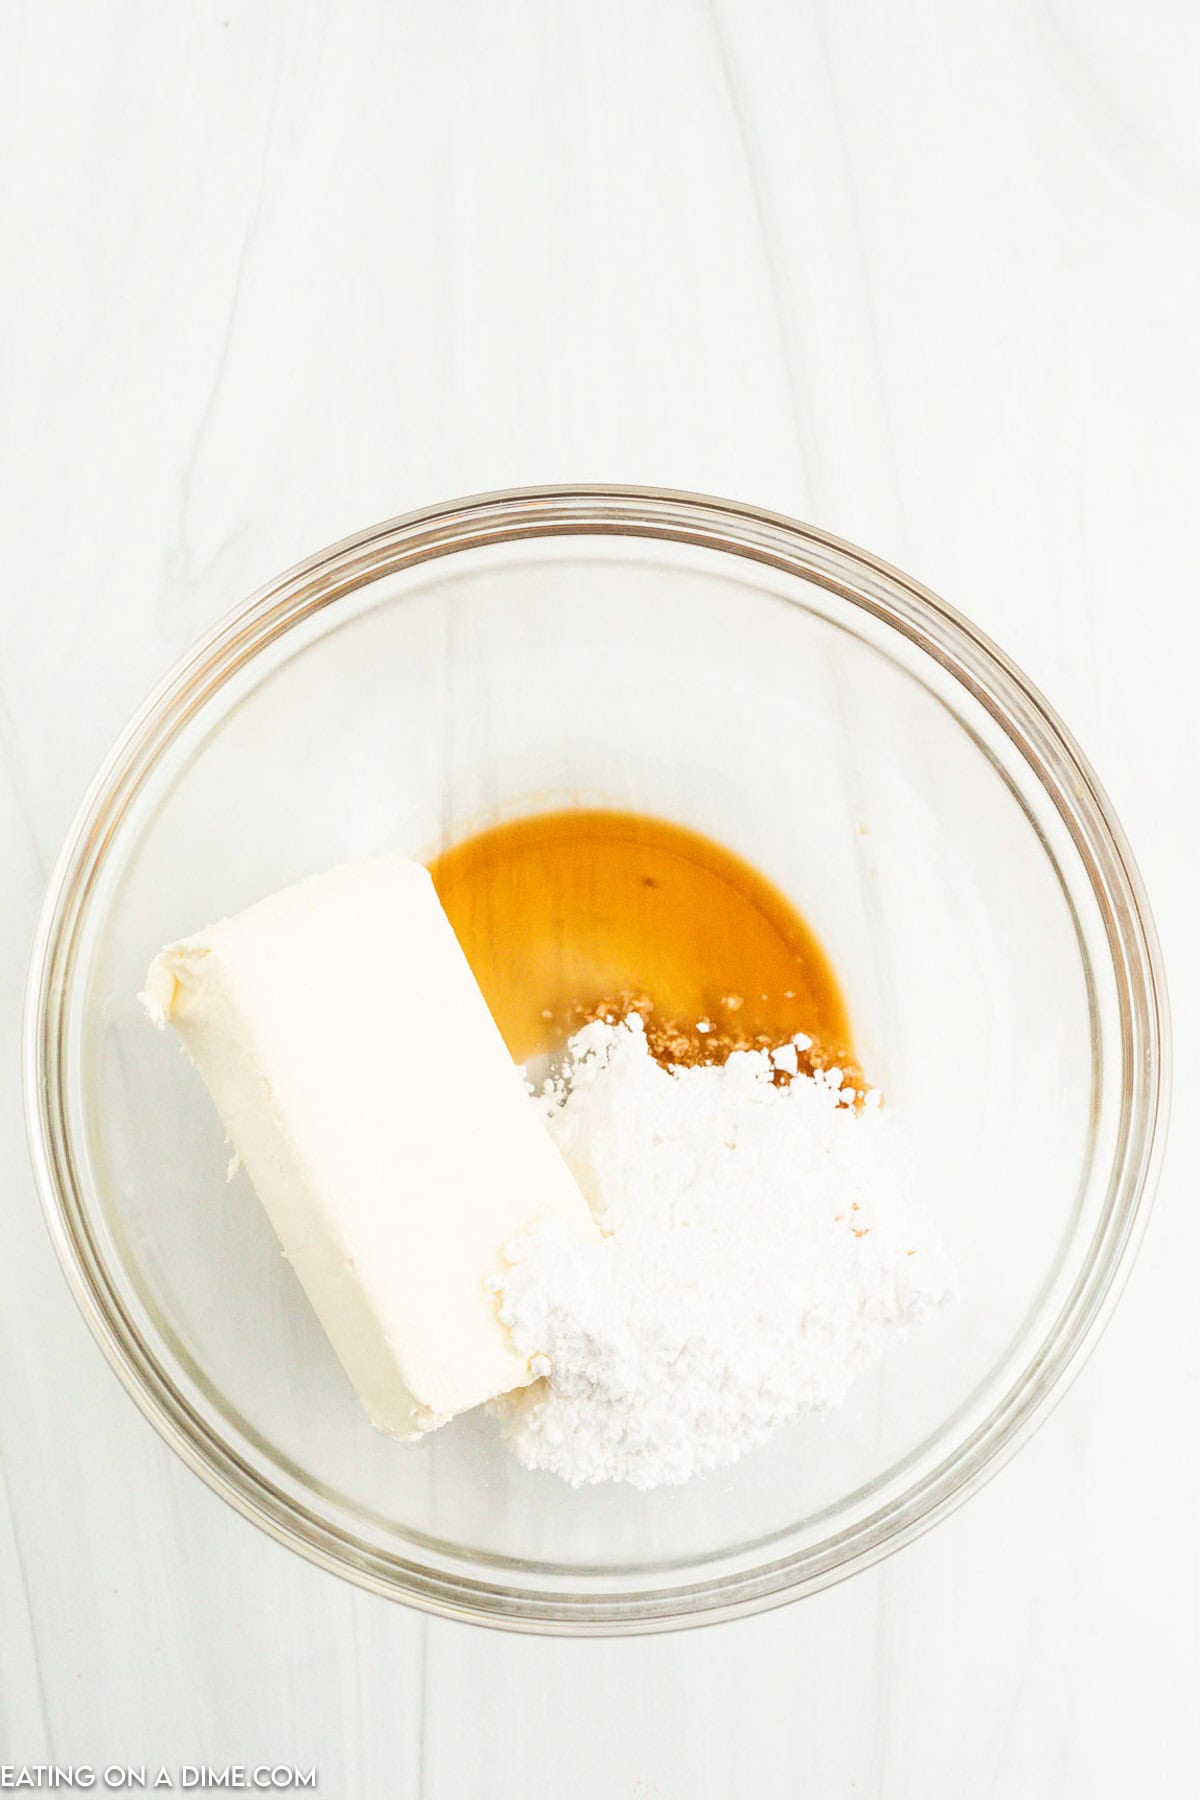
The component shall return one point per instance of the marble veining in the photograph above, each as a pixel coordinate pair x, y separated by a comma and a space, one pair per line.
926, 274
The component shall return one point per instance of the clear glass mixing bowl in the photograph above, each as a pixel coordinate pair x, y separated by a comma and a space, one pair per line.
786, 694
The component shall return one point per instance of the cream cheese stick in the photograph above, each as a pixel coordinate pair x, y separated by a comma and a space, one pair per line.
362, 1082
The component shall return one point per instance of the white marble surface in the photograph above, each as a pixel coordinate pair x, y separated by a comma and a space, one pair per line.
927, 274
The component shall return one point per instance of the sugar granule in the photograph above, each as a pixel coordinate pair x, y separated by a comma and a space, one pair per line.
762, 1247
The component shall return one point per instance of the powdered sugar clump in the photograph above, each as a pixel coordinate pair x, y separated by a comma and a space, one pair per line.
762, 1248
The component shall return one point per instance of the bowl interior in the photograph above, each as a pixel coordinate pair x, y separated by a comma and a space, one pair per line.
773, 714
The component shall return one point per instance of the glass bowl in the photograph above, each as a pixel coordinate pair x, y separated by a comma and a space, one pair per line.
807, 706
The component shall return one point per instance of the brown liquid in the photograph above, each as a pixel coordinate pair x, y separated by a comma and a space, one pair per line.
567, 915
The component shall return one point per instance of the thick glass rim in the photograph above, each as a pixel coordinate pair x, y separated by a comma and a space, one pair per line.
798, 550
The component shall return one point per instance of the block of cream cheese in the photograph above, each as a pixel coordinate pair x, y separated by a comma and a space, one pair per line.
364, 1085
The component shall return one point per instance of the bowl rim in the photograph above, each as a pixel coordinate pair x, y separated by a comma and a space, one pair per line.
864, 580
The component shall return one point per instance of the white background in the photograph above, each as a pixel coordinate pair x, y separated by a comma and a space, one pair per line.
925, 273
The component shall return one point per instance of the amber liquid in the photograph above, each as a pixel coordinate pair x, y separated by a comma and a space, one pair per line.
565, 915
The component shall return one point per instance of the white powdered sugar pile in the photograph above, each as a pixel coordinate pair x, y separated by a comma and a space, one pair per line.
762, 1247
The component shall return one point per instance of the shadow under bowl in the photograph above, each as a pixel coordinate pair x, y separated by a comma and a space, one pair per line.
782, 692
